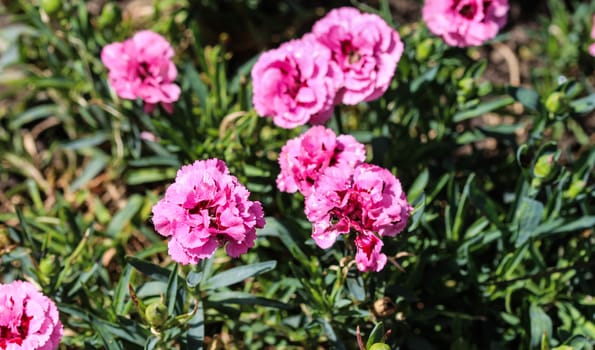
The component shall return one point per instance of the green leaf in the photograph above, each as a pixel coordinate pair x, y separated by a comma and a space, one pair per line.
32, 114
483, 108
123, 216
143, 176
86, 142
121, 291
154, 271
540, 324
238, 274
242, 298
376, 336
95, 166
193, 81
193, 279
196, 330
356, 288
276, 228
428, 75
172, 290
418, 186
527, 97
108, 339
584, 105
330, 333
528, 217
561, 225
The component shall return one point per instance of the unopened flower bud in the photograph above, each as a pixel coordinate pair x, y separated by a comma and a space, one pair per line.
110, 15
47, 265
544, 167
556, 102
575, 188
51, 6
156, 314
466, 86
379, 346
424, 49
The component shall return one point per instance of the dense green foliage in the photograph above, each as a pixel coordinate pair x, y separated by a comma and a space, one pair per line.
498, 252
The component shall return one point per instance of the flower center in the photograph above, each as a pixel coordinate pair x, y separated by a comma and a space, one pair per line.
142, 70
7, 336
468, 9
351, 52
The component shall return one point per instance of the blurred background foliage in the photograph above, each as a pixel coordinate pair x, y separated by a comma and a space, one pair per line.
494, 146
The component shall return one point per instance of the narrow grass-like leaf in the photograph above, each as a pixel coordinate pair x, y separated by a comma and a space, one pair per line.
242, 298
276, 228
427, 76
123, 216
418, 186
238, 274
483, 108
95, 166
376, 335
172, 290
86, 142
121, 291
32, 114
196, 330
154, 271
145, 176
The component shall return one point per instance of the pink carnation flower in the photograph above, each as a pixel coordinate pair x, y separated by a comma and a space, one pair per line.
369, 256
142, 67
592, 47
367, 200
295, 84
205, 208
304, 158
465, 22
28, 319
365, 48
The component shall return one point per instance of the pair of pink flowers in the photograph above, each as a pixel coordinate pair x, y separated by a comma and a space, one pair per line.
28, 319
142, 67
206, 207
344, 195
349, 57
465, 23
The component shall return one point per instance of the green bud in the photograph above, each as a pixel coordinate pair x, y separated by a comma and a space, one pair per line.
424, 49
51, 6
556, 102
110, 15
466, 86
156, 314
47, 265
379, 346
544, 167
575, 188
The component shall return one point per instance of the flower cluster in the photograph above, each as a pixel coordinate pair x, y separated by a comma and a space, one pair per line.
142, 67
344, 195
205, 208
305, 157
349, 57
28, 319
367, 200
465, 23
592, 46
